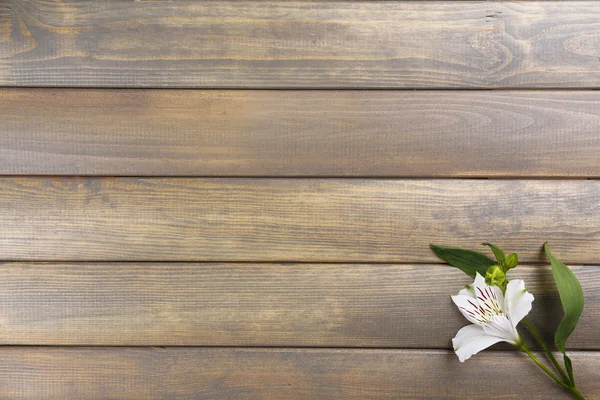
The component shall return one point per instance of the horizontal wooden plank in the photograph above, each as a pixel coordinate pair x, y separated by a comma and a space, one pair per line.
226, 373
300, 133
327, 305
320, 220
274, 44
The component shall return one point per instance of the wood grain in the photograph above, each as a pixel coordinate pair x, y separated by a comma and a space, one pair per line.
299, 133
271, 44
320, 220
209, 373
327, 305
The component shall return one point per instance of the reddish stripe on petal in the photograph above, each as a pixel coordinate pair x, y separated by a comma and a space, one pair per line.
482, 294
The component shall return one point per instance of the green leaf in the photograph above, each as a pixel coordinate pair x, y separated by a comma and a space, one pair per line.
569, 368
467, 261
511, 261
498, 253
571, 297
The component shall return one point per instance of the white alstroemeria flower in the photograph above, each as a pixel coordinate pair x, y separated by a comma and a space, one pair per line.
494, 315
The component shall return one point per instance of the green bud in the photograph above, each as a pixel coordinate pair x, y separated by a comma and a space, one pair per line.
511, 261
494, 276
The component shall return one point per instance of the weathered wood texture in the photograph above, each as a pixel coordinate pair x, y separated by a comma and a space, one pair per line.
209, 373
333, 220
327, 305
451, 44
299, 133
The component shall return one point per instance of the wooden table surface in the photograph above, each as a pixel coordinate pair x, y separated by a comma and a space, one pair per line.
234, 199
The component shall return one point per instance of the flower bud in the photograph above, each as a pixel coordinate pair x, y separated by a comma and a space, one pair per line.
494, 276
511, 261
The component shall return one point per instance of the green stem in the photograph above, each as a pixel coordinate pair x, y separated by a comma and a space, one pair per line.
569, 386
576, 393
539, 339
526, 350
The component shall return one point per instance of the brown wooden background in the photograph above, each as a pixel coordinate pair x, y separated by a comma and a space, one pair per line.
169, 229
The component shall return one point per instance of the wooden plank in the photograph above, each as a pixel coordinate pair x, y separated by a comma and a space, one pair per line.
320, 220
230, 373
275, 44
327, 305
300, 133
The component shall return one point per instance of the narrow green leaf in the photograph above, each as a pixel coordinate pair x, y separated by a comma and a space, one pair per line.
571, 297
498, 253
569, 367
470, 262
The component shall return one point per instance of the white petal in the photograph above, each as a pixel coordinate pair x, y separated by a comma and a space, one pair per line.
479, 282
470, 340
499, 295
467, 291
501, 328
517, 301
479, 287
468, 307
